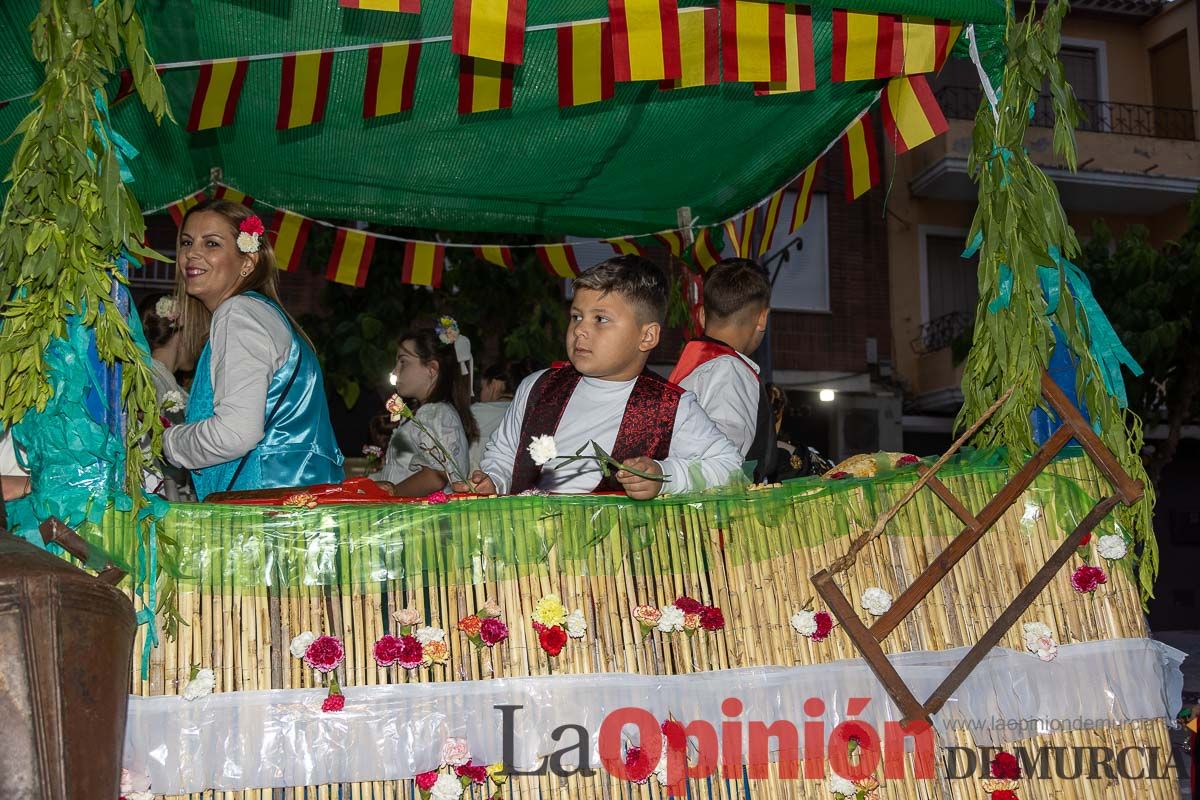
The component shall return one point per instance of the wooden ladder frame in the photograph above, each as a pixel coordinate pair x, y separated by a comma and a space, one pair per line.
867, 640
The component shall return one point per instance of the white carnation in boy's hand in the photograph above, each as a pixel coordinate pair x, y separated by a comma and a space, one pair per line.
670, 619
876, 600
542, 449
1112, 547
576, 624
841, 786
804, 622
200, 685
300, 644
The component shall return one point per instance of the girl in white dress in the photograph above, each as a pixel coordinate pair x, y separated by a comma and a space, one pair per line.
429, 378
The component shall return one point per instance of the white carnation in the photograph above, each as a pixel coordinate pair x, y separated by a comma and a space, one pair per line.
1036, 630
671, 619
1045, 648
1112, 547
165, 307
542, 449
201, 685
841, 786
804, 622
173, 401
447, 787
876, 600
426, 634
300, 644
576, 624
247, 242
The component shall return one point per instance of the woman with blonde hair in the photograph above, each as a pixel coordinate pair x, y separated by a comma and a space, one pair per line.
257, 417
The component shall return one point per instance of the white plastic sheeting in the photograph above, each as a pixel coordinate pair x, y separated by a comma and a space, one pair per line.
281, 738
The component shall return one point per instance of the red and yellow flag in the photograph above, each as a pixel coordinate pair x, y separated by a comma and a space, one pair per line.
770, 222
351, 257
865, 46
926, 43
495, 254
740, 231
861, 159
391, 78
699, 49
558, 259
484, 85
645, 39
180, 207
911, 115
489, 29
288, 235
752, 41
626, 246
217, 91
585, 66
303, 89
423, 263
672, 241
798, 52
804, 192
403, 6
224, 192
704, 252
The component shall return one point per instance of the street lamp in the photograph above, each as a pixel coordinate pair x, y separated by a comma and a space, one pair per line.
827, 395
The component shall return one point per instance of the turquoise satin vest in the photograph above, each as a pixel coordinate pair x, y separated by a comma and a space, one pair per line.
298, 447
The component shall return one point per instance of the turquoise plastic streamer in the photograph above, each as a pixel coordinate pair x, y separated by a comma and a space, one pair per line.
1004, 291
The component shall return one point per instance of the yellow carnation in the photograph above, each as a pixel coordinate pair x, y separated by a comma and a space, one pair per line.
550, 611
496, 773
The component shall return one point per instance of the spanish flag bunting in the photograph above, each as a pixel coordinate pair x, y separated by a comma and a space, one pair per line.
732, 236
699, 49
215, 102
626, 246
402, 6
911, 115
740, 231
645, 39
927, 43
490, 29
865, 46
288, 235
804, 192
391, 78
798, 52
303, 89
224, 192
484, 85
558, 259
585, 68
704, 250
861, 158
752, 41
423, 263
498, 255
770, 222
351, 257
180, 207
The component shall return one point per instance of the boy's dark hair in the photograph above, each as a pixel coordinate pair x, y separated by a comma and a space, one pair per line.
735, 284
636, 279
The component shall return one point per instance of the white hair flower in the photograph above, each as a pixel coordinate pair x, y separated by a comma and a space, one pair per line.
167, 308
247, 242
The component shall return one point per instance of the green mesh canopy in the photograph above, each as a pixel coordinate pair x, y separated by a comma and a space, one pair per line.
623, 166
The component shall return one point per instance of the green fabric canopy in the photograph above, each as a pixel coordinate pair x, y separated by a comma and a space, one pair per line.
623, 166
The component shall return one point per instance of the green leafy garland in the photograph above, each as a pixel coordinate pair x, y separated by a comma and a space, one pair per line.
1024, 240
67, 218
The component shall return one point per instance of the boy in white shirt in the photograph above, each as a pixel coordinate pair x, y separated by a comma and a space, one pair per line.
737, 302
607, 396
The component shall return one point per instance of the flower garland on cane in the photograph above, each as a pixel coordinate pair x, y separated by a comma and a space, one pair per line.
554, 625
324, 654
416, 646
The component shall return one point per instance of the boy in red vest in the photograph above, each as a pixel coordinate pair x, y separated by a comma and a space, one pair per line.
737, 302
607, 396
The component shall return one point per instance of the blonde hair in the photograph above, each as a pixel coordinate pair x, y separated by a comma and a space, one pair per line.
194, 317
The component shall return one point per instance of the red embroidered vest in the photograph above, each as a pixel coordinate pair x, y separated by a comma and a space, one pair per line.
645, 428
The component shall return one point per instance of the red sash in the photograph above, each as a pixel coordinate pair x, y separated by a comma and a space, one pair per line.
645, 428
700, 351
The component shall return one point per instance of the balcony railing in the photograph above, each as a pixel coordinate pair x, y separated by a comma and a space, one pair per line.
1130, 119
940, 333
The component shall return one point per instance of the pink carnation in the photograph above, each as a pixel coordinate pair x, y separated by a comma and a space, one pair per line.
325, 653
1086, 579
493, 631
410, 653
387, 650
689, 606
437, 498
426, 780
334, 702
824, 626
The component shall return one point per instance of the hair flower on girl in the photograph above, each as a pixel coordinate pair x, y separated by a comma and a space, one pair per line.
447, 330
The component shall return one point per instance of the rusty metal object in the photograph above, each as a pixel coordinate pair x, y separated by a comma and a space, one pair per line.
66, 650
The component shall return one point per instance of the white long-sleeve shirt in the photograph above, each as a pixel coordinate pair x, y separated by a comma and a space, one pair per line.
700, 456
729, 393
409, 450
249, 342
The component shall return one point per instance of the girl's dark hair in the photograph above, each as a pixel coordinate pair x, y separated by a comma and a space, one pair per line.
452, 386
159, 330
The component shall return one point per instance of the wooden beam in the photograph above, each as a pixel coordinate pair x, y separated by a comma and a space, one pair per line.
946, 496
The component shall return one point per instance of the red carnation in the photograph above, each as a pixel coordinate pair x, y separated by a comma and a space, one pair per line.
411, 653
711, 618
437, 498
387, 650
638, 773
493, 631
476, 772
325, 653
1086, 579
426, 780
252, 225
824, 626
837, 476
1005, 794
334, 702
689, 606
1087, 537
907, 460
552, 639
1005, 767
